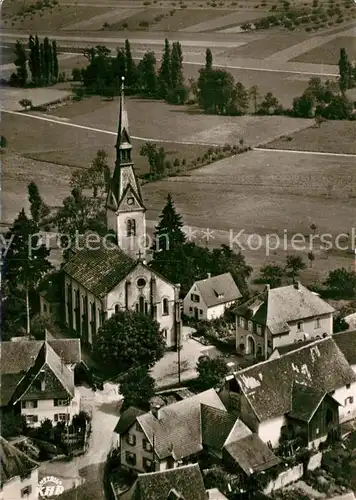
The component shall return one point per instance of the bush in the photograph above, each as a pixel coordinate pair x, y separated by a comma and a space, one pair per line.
3, 142
26, 103
76, 74
176, 162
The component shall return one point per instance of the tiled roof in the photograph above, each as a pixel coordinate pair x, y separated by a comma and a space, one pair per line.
346, 342
239, 431
99, 270
59, 380
13, 462
8, 384
17, 357
276, 307
216, 426
127, 418
177, 429
305, 401
218, 289
252, 454
268, 385
186, 481
285, 349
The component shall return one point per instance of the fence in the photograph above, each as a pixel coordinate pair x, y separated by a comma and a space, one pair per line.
285, 478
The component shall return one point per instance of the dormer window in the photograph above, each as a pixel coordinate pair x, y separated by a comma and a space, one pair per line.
300, 326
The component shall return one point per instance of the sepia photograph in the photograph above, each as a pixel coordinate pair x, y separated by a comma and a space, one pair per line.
178, 250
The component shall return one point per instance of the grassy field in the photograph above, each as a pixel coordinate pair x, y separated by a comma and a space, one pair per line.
329, 53
331, 137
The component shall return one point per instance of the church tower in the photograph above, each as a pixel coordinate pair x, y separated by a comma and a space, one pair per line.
125, 212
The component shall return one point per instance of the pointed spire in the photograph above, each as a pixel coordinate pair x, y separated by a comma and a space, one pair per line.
123, 133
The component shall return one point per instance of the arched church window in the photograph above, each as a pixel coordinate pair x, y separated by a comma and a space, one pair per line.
141, 305
131, 227
165, 307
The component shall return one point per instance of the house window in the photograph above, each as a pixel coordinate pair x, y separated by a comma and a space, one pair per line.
269, 343
29, 404
61, 402
31, 419
190, 309
44, 308
130, 458
317, 323
349, 401
245, 324
165, 306
249, 326
117, 308
138, 427
146, 445
147, 464
200, 311
131, 227
61, 417
131, 439
348, 386
259, 329
194, 297
25, 492
300, 326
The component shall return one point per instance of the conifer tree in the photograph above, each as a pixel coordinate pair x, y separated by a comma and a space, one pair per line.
38, 208
131, 75
26, 260
31, 59
169, 231
42, 64
164, 76
21, 64
37, 57
46, 61
55, 66
345, 71
208, 59
176, 66
147, 75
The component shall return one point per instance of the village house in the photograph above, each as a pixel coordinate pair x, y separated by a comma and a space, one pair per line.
102, 278
208, 299
18, 473
37, 379
281, 316
171, 436
302, 394
183, 483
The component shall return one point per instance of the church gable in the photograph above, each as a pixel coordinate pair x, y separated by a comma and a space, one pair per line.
129, 201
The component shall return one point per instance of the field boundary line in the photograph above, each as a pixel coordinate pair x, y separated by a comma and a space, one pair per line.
300, 151
85, 127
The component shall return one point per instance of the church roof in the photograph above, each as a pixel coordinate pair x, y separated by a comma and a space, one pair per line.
99, 270
123, 132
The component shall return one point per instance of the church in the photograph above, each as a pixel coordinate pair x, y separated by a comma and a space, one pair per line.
102, 279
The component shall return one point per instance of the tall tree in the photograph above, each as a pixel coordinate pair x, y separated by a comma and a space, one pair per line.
215, 90
96, 177
294, 264
240, 100
39, 210
272, 274
55, 65
345, 71
138, 387
211, 372
128, 340
254, 94
177, 77
131, 72
164, 75
21, 64
42, 64
169, 231
208, 59
46, 61
37, 57
26, 260
148, 81
342, 283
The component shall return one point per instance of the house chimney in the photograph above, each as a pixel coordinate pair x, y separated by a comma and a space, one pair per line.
297, 285
268, 287
209, 275
155, 411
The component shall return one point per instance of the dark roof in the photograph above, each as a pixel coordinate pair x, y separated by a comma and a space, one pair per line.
218, 289
285, 349
276, 307
8, 384
305, 401
127, 418
99, 270
252, 454
59, 379
176, 431
13, 462
17, 357
346, 342
268, 385
216, 426
186, 481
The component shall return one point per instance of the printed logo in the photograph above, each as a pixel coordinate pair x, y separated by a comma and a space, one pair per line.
50, 487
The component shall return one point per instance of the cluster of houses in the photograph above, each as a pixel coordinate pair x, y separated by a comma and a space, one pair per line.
301, 392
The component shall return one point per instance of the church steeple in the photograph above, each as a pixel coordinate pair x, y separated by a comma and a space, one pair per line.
125, 211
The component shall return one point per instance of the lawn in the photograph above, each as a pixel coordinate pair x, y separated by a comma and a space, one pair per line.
329, 53
331, 137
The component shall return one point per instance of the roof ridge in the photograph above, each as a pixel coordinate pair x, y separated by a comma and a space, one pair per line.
167, 471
